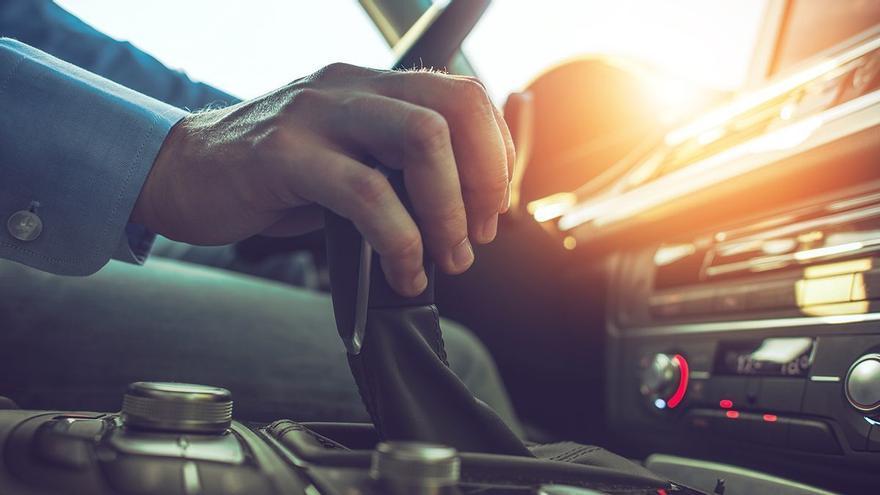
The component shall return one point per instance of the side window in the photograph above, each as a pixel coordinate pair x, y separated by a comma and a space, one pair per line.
244, 48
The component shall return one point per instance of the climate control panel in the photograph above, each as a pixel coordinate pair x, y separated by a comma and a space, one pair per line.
768, 396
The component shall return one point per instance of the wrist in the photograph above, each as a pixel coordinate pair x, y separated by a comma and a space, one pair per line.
145, 209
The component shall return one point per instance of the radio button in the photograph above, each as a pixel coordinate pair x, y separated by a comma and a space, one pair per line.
821, 398
827, 290
703, 420
732, 388
754, 428
730, 301
812, 436
780, 394
698, 392
871, 282
779, 295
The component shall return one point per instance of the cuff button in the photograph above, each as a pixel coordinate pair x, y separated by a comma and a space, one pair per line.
24, 225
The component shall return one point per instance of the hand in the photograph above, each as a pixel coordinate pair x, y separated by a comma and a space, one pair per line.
269, 165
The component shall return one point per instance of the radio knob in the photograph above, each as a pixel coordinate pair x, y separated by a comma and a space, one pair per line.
862, 385
664, 380
177, 407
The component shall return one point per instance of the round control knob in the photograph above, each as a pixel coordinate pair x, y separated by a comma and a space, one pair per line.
177, 407
664, 380
415, 467
862, 385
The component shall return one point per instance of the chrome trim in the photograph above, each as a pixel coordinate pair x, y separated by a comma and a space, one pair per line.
856, 404
700, 375
767, 483
760, 96
191, 483
362, 299
742, 325
824, 378
749, 156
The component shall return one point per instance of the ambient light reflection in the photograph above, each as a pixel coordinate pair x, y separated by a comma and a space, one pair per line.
834, 289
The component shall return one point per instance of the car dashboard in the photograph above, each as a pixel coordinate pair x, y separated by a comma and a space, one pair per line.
743, 279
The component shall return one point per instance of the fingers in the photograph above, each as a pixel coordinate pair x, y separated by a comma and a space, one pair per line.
364, 196
480, 146
509, 145
416, 140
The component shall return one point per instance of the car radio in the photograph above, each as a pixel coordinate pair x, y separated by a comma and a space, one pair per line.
763, 336
743, 268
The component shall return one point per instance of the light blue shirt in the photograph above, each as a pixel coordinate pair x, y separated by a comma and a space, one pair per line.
77, 144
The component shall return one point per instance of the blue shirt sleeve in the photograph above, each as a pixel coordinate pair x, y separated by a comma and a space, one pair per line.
44, 25
75, 150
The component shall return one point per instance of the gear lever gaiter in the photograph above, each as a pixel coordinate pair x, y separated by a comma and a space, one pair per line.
396, 354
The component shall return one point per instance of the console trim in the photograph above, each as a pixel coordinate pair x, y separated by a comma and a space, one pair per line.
743, 325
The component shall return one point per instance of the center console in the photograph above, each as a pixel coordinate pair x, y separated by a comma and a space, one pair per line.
172, 438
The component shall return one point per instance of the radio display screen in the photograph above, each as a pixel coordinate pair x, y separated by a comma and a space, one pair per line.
767, 357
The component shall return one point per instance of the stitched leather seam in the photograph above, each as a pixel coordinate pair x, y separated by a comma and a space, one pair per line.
437, 334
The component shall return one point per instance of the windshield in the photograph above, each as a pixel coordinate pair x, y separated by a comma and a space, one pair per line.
710, 42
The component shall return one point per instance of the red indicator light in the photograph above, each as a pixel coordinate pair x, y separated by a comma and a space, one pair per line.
682, 382
725, 403
661, 491
732, 414
770, 418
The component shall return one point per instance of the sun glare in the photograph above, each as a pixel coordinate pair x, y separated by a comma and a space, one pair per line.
710, 42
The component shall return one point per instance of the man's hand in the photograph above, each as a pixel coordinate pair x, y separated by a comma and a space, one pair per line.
268, 165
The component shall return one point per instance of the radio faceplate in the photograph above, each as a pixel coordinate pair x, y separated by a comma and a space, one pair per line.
799, 424
783, 362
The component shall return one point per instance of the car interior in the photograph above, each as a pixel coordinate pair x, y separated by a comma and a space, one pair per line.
681, 300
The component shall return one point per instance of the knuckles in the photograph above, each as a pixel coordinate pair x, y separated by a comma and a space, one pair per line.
369, 187
406, 246
340, 72
470, 95
305, 99
429, 131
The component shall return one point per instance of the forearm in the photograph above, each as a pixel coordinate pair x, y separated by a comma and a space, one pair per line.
81, 148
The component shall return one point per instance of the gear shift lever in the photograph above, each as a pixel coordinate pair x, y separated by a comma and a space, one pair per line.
394, 343
396, 354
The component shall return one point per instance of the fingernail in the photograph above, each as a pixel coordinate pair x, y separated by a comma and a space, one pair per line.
490, 228
419, 282
463, 255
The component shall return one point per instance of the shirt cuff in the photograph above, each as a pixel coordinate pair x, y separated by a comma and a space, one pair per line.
80, 148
